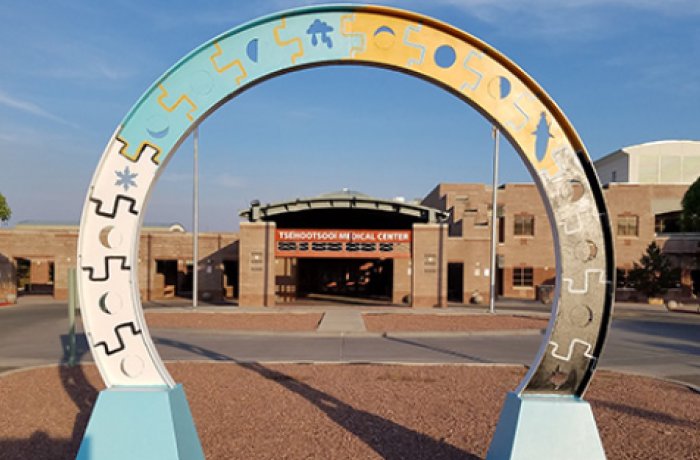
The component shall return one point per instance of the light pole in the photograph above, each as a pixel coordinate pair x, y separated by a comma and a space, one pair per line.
195, 218
494, 222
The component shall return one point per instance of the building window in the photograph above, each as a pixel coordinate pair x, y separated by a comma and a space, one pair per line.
669, 222
524, 225
614, 176
522, 277
627, 225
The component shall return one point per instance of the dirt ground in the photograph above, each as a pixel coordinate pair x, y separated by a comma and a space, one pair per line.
374, 322
257, 411
287, 322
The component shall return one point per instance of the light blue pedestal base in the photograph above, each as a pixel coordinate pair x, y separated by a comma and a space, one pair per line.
546, 427
140, 424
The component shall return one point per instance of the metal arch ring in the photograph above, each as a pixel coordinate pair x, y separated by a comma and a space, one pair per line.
364, 35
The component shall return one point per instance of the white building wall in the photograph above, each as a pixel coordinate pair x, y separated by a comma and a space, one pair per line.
664, 162
613, 168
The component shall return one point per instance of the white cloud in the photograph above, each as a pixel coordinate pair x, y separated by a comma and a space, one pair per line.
671, 73
87, 71
177, 177
30, 107
71, 59
226, 180
670, 7
569, 19
9, 137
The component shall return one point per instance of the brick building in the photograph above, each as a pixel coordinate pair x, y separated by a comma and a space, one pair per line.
35, 258
350, 246
640, 214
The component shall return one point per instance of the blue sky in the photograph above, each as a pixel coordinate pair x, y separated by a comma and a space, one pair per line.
624, 72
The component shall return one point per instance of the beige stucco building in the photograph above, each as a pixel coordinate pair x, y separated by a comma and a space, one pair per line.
661, 162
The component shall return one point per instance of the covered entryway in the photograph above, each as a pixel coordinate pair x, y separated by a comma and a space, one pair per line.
345, 279
343, 247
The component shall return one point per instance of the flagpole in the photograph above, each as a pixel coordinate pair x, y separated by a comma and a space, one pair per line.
494, 222
195, 219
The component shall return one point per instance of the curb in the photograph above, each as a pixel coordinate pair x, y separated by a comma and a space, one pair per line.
684, 311
348, 363
363, 334
689, 386
36, 367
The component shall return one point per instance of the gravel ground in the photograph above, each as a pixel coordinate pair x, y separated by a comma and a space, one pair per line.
448, 323
297, 322
346, 411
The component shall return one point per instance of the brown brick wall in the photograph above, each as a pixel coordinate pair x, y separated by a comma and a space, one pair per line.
401, 288
59, 246
470, 205
257, 264
429, 274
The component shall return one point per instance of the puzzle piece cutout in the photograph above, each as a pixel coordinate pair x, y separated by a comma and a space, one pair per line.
587, 350
108, 259
587, 274
121, 344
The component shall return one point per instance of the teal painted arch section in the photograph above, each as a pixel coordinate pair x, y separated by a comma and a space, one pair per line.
193, 76
196, 78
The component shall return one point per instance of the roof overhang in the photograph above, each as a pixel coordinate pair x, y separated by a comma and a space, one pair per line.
420, 213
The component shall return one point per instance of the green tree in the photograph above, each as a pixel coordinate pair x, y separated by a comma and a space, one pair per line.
690, 217
5, 211
653, 275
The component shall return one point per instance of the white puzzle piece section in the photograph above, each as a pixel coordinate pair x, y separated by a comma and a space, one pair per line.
108, 262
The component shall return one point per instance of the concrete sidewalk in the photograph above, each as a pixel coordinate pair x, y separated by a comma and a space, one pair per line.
643, 339
342, 321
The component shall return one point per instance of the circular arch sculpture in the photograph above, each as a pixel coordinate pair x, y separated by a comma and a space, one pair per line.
394, 39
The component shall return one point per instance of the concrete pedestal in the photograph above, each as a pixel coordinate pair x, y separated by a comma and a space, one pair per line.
141, 423
546, 427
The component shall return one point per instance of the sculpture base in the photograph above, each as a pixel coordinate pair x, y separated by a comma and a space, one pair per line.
544, 427
141, 423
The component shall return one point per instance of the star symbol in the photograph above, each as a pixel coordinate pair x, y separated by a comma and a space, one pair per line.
126, 178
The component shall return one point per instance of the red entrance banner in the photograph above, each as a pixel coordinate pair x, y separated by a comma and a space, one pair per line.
344, 236
343, 243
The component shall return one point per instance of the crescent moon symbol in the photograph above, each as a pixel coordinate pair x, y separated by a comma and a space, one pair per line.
159, 134
103, 303
386, 29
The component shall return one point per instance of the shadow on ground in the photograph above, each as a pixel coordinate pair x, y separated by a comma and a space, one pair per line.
40, 446
444, 351
78, 387
639, 412
387, 438
688, 331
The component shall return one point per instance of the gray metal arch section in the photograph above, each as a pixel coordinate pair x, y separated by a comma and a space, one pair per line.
429, 215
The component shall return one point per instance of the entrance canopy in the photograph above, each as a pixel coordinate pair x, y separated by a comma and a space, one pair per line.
344, 209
